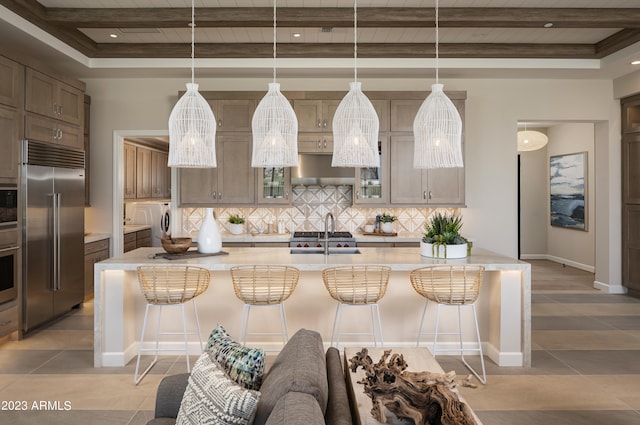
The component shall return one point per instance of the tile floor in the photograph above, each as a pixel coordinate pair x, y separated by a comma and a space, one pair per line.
586, 367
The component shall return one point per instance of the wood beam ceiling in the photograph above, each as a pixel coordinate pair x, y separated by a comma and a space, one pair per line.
65, 24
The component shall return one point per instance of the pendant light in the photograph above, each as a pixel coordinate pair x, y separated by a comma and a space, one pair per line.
437, 128
274, 125
192, 125
531, 140
355, 123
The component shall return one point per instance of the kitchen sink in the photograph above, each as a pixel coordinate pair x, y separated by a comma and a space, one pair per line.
332, 251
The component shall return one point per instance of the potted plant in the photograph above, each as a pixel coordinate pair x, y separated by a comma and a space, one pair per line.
236, 224
442, 237
386, 222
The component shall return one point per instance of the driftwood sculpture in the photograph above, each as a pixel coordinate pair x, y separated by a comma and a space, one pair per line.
425, 398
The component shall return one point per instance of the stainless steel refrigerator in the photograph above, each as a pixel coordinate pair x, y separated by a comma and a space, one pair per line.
52, 231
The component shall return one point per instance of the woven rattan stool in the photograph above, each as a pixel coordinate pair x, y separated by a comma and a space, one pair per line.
264, 286
170, 286
450, 286
357, 286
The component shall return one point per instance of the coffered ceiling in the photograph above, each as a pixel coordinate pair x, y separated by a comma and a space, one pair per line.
492, 34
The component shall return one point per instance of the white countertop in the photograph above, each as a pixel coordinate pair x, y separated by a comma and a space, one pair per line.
130, 228
399, 259
94, 237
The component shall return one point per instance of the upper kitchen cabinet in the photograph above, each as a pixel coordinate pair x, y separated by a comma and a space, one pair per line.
10, 135
403, 112
631, 116
130, 166
372, 184
274, 186
315, 115
233, 114
52, 98
233, 182
11, 83
53, 131
315, 143
412, 186
143, 172
160, 175
382, 109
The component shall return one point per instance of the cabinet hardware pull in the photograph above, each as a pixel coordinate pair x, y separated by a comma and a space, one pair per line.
60, 134
319, 124
219, 123
319, 147
429, 194
219, 195
324, 124
358, 194
214, 195
424, 194
325, 144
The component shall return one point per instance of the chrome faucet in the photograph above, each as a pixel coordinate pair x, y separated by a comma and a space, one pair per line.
326, 231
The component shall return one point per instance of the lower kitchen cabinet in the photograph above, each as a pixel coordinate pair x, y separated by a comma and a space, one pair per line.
139, 239
94, 252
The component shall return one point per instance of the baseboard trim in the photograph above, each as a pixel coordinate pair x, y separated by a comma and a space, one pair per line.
559, 260
610, 289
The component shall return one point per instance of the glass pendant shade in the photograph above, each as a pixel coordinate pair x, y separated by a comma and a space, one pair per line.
437, 130
355, 131
192, 132
275, 131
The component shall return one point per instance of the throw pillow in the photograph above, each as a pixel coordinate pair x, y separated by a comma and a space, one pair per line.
242, 364
212, 398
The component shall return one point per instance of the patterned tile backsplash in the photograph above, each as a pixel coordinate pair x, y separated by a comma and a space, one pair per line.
309, 206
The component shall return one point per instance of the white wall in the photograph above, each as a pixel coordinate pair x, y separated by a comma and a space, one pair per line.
570, 246
492, 110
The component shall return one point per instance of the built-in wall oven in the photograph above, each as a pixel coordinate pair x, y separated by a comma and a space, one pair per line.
8, 242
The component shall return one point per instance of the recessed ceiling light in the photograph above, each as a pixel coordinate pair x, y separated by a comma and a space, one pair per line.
635, 62
296, 35
113, 35
548, 25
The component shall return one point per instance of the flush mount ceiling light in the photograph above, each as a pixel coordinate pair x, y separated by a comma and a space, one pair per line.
274, 125
355, 123
531, 140
437, 128
192, 125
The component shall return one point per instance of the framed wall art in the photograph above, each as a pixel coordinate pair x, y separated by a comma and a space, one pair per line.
568, 190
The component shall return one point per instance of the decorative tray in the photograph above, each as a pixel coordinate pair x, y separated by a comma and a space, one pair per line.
186, 255
379, 234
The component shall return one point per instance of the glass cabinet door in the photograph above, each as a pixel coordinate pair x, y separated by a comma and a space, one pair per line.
371, 184
274, 186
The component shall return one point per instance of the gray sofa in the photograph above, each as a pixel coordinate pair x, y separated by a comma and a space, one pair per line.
304, 386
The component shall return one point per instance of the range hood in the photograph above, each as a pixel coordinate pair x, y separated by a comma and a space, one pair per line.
317, 169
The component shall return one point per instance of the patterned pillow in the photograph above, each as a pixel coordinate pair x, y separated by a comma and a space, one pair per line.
211, 397
242, 364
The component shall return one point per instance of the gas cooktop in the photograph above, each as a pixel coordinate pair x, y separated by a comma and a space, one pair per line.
318, 235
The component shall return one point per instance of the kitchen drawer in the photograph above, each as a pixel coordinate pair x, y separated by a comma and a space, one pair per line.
129, 246
129, 238
143, 242
96, 246
9, 318
143, 234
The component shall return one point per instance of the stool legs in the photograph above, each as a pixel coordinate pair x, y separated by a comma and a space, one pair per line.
138, 377
461, 350
376, 324
244, 324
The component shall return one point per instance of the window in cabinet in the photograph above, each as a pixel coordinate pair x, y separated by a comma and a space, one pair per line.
274, 185
372, 184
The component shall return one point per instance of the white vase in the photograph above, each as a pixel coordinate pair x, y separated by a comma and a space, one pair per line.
386, 227
209, 239
236, 228
443, 251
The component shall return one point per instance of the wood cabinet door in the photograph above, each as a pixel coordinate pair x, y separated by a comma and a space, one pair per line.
40, 93
372, 184
11, 83
10, 124
631, 169
406, 181
310, 143
143, 172
198, 186
53, 131
129, 171
274, 186
328, 111
445, 186
71, 104
631, 248
403, 113
236, 177
234, 115
159, 174
309, 114
382, 108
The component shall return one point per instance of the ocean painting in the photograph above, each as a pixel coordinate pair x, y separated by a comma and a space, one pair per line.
567, 174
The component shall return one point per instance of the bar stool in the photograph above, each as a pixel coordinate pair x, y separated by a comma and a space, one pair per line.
357, 286
170, 286
264, 285
450, 286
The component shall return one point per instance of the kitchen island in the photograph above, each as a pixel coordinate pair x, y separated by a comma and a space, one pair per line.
504, 305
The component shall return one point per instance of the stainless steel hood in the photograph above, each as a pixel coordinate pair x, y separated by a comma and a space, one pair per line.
317, 169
